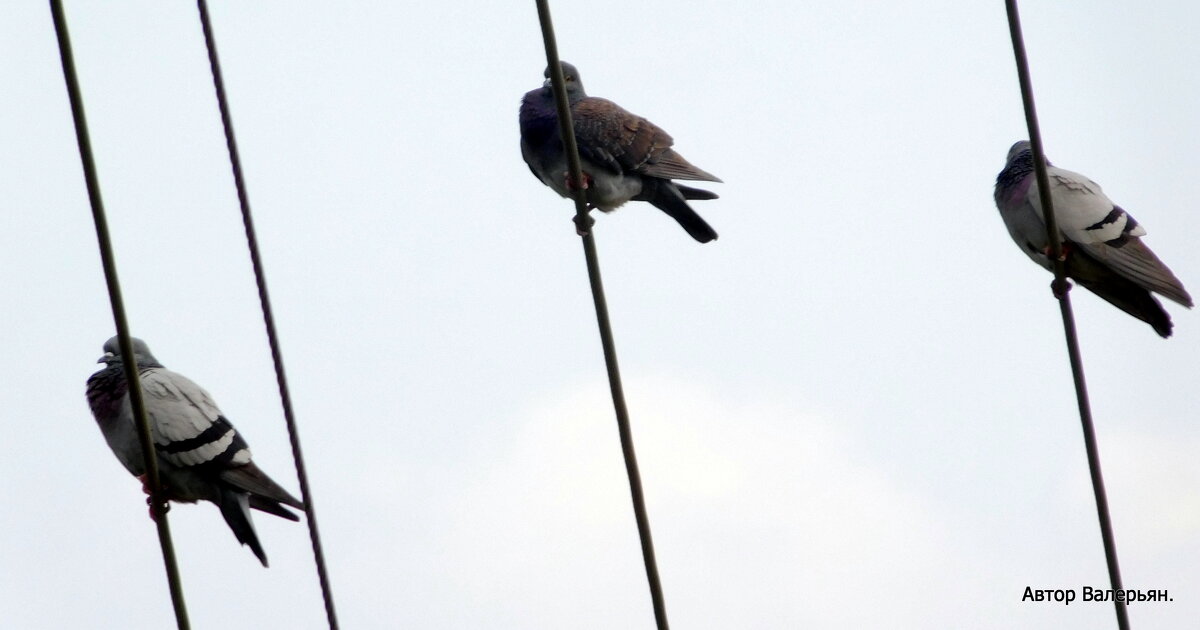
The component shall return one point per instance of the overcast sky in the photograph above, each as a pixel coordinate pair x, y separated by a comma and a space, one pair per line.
852, 410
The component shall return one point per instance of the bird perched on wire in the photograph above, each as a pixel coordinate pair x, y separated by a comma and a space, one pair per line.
1102, 245
200, 454
625, 157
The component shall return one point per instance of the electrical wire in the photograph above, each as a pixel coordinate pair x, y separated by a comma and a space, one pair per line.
158, 503
268, 316
583, 222
1068, 317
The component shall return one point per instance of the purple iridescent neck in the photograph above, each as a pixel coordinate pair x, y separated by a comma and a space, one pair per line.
539, 117
106, 390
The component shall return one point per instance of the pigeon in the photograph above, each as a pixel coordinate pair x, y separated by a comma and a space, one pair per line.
625, 157
1102, 245
200, 454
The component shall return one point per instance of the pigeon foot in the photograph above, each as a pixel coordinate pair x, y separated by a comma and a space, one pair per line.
587, 181
166, 505
584, 226
1064, 248
1060, 289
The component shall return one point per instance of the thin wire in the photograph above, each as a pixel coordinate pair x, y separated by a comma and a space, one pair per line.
268, 316
158, 502
583, 222
1064, 301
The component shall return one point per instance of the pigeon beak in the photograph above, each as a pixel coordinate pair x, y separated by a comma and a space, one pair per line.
548, 82
108, 356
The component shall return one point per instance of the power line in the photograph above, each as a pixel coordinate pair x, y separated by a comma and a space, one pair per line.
158, 503
268, 315
583, 221
1060, 290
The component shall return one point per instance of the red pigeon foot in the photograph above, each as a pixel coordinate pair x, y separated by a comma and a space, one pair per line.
1065, 248
150, 497
145, 483
587, 181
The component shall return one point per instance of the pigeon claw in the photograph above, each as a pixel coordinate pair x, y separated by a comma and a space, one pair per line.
164, 508
166, 505
1060, 288
583, 224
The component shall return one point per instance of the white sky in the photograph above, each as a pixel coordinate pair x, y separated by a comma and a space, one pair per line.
853, 410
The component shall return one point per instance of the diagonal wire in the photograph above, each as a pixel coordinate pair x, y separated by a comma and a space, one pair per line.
268, 316
158, 504
583, 221
1064, 301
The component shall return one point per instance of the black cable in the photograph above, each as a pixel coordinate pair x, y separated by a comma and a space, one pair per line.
583, 222
268, 316
1064, 301
158, 503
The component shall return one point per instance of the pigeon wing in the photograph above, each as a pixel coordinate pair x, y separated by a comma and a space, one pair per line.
1109, 234
624, 142
189, 429
1083, 212
1133, 260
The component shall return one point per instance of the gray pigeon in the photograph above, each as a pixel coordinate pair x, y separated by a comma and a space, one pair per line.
625, 157
200, 454
1102, 243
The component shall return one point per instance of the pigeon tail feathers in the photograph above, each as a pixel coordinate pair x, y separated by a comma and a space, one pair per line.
695, 193
250, 478
1119, 291
667, 197
235, 507
272, 507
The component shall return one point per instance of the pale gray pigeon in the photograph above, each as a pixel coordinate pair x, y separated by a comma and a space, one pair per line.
1102, 243
625, 157
200, 454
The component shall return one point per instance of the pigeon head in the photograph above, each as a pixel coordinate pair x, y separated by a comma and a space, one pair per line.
1018, 147
1017, 166
1022, 147
574, 84
141, 352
